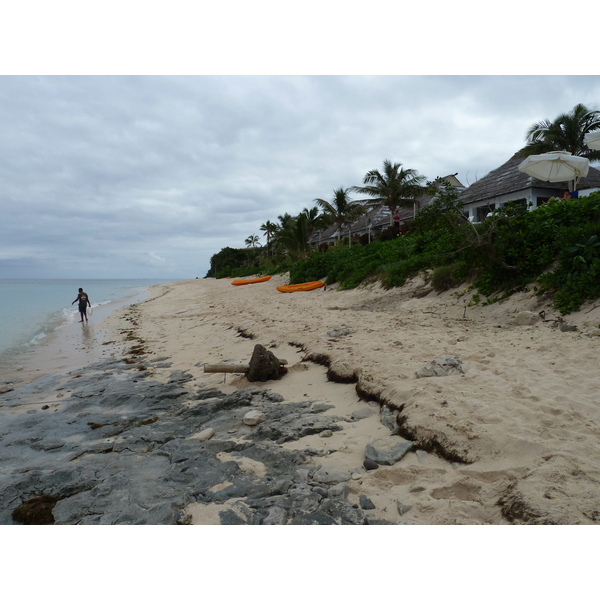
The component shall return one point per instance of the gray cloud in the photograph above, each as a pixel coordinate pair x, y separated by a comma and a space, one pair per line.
149, 176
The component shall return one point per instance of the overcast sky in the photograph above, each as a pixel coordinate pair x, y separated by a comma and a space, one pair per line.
148, 176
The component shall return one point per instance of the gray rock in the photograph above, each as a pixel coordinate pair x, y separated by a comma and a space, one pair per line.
388, 450
315, 518
276, 515
442, 367
403, 508
370, 465
331, 474
339, 490
365, 503
341, 331
230, 517
362, 413
389, 418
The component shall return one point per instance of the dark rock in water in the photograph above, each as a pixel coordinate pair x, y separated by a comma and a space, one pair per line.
370, 465
264, 365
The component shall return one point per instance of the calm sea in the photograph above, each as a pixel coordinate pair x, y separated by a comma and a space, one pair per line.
30, 309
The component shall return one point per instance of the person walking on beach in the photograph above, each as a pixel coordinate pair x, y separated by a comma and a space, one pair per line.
84, 302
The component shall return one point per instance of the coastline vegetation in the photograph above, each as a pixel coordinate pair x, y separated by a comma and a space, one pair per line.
553, 250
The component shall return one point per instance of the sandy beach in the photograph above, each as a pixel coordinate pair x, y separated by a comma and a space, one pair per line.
513, 438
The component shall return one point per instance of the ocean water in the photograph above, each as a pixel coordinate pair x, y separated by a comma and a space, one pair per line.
31, 309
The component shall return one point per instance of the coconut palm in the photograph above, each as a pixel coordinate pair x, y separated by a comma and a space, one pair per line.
251, 241
395, 187
565, 133
342, 210
270, 229
295, 236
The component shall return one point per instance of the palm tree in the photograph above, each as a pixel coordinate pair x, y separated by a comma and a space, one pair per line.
251, 241
269, 229
395, 187
565, 133
294, 237
341, 210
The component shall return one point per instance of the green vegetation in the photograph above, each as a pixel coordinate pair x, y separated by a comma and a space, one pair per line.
555, 248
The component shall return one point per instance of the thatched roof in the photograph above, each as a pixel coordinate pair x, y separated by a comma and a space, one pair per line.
507, 179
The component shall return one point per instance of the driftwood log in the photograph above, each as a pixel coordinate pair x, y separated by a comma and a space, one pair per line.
264, 365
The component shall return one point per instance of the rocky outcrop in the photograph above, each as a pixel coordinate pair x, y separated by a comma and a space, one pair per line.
123, 448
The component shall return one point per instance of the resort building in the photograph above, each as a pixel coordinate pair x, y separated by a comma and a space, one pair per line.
378, 218
508, 184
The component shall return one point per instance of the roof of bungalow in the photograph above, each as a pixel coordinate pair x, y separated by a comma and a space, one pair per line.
507, 179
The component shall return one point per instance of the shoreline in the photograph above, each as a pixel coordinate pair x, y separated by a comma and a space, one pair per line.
498, 443
71, 346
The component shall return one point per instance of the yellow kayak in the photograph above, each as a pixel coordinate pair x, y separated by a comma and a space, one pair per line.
247, 281
301, 287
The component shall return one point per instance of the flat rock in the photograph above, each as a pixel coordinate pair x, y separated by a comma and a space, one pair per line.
363, 413
388, 450
331, 474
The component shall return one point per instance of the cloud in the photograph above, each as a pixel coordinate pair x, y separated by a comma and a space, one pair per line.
142, 176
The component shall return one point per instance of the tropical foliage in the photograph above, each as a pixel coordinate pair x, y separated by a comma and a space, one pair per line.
566, 132
395, 187
341, 210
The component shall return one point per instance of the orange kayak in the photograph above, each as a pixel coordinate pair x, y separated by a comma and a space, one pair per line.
301, 287
247, 281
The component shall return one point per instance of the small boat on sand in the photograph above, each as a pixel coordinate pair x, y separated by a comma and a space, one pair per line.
247, 281
301, 287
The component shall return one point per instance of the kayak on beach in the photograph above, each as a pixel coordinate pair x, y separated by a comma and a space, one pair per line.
301, 287
247, 281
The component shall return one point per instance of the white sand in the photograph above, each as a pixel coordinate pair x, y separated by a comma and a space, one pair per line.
519, 428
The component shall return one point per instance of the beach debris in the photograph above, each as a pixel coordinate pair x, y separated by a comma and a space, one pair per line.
442, 366
263, 366
341, 331
388, 450
254, 417
4, 389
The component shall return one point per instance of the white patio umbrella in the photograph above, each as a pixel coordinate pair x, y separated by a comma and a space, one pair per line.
592, 139
556, 166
